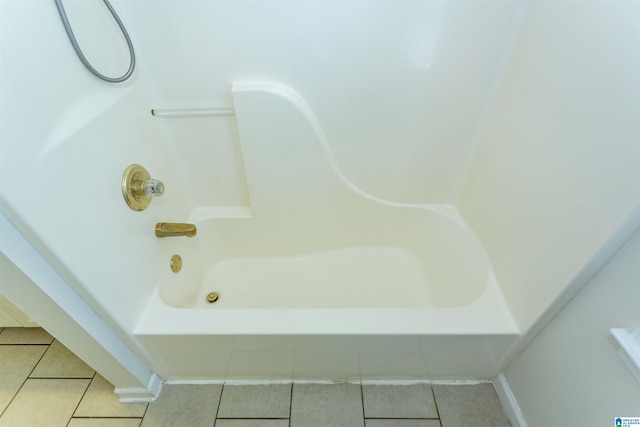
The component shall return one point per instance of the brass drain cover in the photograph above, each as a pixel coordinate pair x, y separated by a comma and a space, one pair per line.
212, 297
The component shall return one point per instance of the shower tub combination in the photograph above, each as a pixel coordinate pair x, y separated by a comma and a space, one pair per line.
315, 256
321, 272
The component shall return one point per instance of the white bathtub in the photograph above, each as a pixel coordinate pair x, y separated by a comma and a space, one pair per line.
400, 271
314, 255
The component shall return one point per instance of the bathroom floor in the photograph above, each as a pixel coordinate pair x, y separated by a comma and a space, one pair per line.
44, 384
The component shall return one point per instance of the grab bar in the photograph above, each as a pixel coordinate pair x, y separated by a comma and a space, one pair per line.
194, 112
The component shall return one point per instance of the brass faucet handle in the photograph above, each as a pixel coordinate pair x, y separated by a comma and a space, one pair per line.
138, 187
151, 188
172, 229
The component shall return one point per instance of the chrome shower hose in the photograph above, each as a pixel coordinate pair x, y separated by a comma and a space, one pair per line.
74, 43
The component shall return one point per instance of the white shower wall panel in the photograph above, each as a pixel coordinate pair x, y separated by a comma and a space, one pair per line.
398, 87
556, 175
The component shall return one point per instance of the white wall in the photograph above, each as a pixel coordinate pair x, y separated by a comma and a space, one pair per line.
558, 168
571, 372
10, 314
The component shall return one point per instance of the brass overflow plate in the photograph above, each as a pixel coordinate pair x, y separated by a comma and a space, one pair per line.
176, 263
212, 297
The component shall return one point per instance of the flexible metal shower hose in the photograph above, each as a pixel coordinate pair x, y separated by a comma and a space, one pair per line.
74, 43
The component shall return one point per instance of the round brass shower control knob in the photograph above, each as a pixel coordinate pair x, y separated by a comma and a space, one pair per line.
138, 188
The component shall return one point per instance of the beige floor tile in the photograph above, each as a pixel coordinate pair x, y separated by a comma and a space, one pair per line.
100, 401
16, 362
184, 405
25, 336
401, 423
326, 405
399, 401
463, 405
105, 422
44, 403
59, 362
252, 423
255, 401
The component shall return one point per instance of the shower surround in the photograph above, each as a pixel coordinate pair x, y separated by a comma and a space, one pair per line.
389, 190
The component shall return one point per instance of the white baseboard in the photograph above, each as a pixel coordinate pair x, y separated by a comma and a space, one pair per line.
140, 394
509, 402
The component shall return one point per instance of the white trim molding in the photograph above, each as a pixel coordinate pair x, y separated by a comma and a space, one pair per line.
629, 351
141, 394
42, 294
508, 400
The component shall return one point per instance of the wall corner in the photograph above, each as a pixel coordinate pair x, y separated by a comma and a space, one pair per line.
509, 401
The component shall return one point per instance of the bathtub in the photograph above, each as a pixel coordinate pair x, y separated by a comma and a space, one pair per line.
315, 256
402, 271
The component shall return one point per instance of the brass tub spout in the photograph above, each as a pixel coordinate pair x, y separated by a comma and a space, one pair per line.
170, 229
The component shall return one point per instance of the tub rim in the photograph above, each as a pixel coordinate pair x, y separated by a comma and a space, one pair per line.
488, 314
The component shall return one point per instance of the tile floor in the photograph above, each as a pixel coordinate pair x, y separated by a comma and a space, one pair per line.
44, 384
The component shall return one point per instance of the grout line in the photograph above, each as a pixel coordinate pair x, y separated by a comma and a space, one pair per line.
435, 402
364, 416
39, 360
248, 418
237, 382
81, 398
60, 378
290, 404
23, 382
401, 418
215, 418
23, 344
87, 417
145, 412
